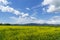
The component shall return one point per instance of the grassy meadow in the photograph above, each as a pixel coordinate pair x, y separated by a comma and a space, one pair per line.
29, 33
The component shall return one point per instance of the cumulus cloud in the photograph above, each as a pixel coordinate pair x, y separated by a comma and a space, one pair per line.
9, 9
54, 5
24, 20
4, 2
4, 7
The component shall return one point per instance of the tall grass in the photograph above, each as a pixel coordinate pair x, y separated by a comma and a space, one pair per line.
29, 33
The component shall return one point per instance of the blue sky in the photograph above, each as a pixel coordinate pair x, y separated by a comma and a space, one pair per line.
30, 11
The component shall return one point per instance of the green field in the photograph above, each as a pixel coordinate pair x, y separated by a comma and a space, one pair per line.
29, 33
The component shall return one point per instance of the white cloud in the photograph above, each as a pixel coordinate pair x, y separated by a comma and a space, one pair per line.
6, 8
33, 17
16, 12
54, 20
9, 9
46, 2
51, 8
4, 2
54, 5
39, 21
28, 8
25, 15
21, 20
24, 20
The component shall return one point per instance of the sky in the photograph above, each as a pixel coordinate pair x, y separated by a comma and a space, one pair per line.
30, 11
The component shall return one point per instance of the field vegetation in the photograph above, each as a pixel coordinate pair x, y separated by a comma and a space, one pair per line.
29, 33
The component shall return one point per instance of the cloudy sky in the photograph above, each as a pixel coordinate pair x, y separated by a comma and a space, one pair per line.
30, 11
